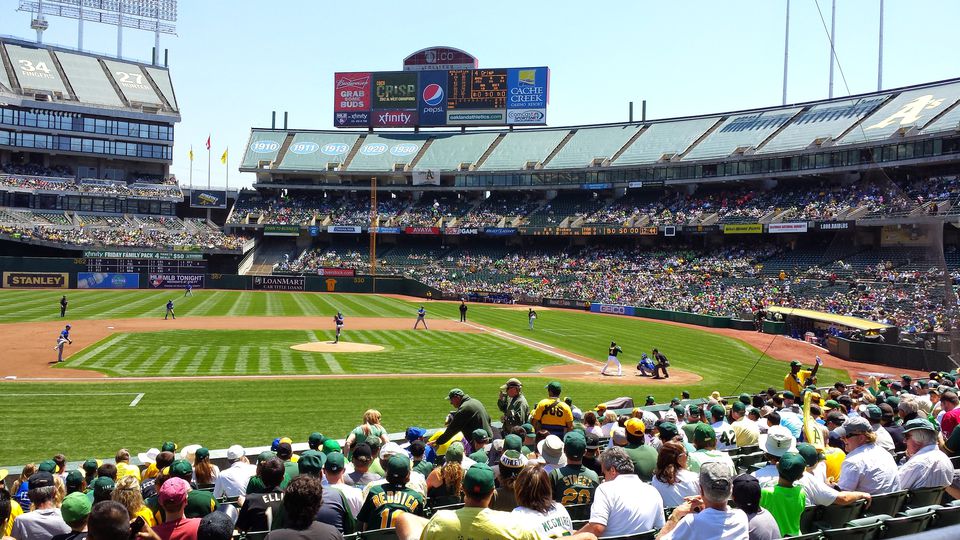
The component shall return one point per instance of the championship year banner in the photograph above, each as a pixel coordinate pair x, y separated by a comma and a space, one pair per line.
278, 283
107, 280
175, 281
36, 280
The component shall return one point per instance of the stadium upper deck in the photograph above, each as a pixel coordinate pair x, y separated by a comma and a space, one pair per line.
902, 126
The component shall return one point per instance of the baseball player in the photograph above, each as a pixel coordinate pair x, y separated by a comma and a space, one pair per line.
421, 318
170, 311
531, 316
646, 366
338, 320
463, 311
189, 290
63, 305
61, 341
612, 353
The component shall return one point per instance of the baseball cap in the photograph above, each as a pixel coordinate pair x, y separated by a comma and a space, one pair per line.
831, 404
413, 433
716, 476
311, 463
103, 487
704, 433
593, 441
479, 434
744, 398
91, 465
397, 468
235, 452
512, 442
915, 424
906, 378
49, 466
330, 446
551, 450
454, 452
693, 410
651, 400
717, 410
779, 441
389, 449
859, 382
363, 452
455, 392
150, 456
554, 386
73, 482
854, 425
203, 453
315, 439
809, 454
181, 467
635, 426
574, 445
514, 382
75, 507
619, 436
40, 479
528, 428
873, 412
746, 492
478, 480
512, 459
335, 462
668, 431
266, 455
795, 363
284, 450
738, 406
791, 466
168, 446
174, 491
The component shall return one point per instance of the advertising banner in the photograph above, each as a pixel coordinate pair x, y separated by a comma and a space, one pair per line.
794, 227
479, 117
432, 98
611, 308
352, 91
175, 281
394, 90
388, 230
700, 229
343, 229
526, 116
107, 280
314, 230
351, 119
278, 283
500, 231
439, 58
743, 228
527, 88
36, 280
422, 230
208, 198
281, 230
152, 255
565, 303
393, 118
596, 186
458, 231
336, 272
835, 225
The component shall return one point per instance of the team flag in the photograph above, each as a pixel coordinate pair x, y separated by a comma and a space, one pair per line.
208, 142
191, 153
223, 158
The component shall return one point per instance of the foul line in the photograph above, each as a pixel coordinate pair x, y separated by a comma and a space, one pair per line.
136, 400
132, 403
532, 344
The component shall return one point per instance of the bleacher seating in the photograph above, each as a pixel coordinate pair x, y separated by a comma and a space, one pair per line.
588, 144
519, 148
448, 151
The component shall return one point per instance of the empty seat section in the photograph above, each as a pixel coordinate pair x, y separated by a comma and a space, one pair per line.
588, 144
738, 131
664, 138
520, 147
826, 121
89, 81
447, 151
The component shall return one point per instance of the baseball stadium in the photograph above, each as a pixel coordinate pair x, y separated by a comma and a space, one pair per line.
758, 286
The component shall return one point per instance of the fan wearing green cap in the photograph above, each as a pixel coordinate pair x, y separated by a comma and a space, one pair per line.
574, 483
745, 430
798, 378
786, 500
74, 510
513, 404
474, 520
469, 416
552, 414
705, 442
384, 501
927, 466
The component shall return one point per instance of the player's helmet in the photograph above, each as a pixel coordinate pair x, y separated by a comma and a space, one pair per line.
613, 343
68, 326
338, 314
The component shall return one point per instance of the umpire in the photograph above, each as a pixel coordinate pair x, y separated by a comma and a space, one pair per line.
469, 416
513, 404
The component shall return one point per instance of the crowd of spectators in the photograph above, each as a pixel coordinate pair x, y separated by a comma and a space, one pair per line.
553, 469
36, 178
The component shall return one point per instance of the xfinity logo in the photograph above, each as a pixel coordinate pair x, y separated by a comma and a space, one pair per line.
394, 117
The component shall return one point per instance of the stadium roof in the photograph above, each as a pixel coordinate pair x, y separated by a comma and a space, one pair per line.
890, 115
34, 74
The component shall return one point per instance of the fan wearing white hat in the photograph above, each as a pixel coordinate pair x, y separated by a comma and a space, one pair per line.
779, 442
551, 453
232, 481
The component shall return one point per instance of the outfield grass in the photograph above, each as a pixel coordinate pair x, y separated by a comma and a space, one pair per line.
267, 352
254, 412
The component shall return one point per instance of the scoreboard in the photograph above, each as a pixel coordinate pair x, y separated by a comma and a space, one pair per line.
144, 266
477, 89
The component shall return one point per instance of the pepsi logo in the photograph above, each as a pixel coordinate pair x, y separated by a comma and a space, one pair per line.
404, 149
335, 149
373, 149
264, 147
302, 148
432, 94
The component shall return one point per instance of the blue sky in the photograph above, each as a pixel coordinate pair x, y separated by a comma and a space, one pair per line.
233, 62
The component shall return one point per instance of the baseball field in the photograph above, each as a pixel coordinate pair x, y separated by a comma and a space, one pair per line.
226, 370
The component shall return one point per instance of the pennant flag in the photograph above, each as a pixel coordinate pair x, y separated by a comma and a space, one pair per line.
191, 153
208, 142
223, 158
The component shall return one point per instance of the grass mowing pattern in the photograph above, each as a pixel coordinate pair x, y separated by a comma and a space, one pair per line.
267, 352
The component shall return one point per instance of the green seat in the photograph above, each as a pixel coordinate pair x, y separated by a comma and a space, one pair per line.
947, 516
752, 449
579, 524
351, 536
834, 516
911, 521
919, 498
858, 529
379, 534
807, 518
578, 511
887, 503
647, 535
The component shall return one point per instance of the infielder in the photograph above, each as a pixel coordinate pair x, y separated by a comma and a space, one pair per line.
338, 320
63, 305
170, 311
612, 353
531, 316
61, 341
421, 318
189, 290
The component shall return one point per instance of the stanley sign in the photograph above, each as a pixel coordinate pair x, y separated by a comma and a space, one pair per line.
36, 280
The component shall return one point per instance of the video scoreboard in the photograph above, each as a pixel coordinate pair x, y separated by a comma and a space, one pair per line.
437, 98
144, 266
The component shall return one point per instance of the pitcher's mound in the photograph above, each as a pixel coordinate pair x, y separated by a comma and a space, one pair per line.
329, 346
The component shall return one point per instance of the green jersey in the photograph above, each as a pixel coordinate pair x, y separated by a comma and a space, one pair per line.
574, 484
383, 501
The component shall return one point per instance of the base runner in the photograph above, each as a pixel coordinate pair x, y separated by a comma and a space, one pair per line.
612, 359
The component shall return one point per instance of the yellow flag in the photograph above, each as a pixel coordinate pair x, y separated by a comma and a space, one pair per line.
191, 153
223, 158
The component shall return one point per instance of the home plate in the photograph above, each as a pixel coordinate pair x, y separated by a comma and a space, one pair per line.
329, 347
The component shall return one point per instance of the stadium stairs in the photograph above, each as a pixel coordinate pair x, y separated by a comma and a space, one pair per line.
267, 255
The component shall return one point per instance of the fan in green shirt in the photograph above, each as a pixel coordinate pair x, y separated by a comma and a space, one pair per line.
785, 500
385, 500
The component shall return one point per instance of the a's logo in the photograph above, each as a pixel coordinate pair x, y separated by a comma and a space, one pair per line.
264, 147
433, 94
335, 149
910, 113
373, 149
527, 77
355, 81
404, 149
302, 148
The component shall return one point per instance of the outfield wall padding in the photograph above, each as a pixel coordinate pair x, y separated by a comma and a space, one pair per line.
886, 354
